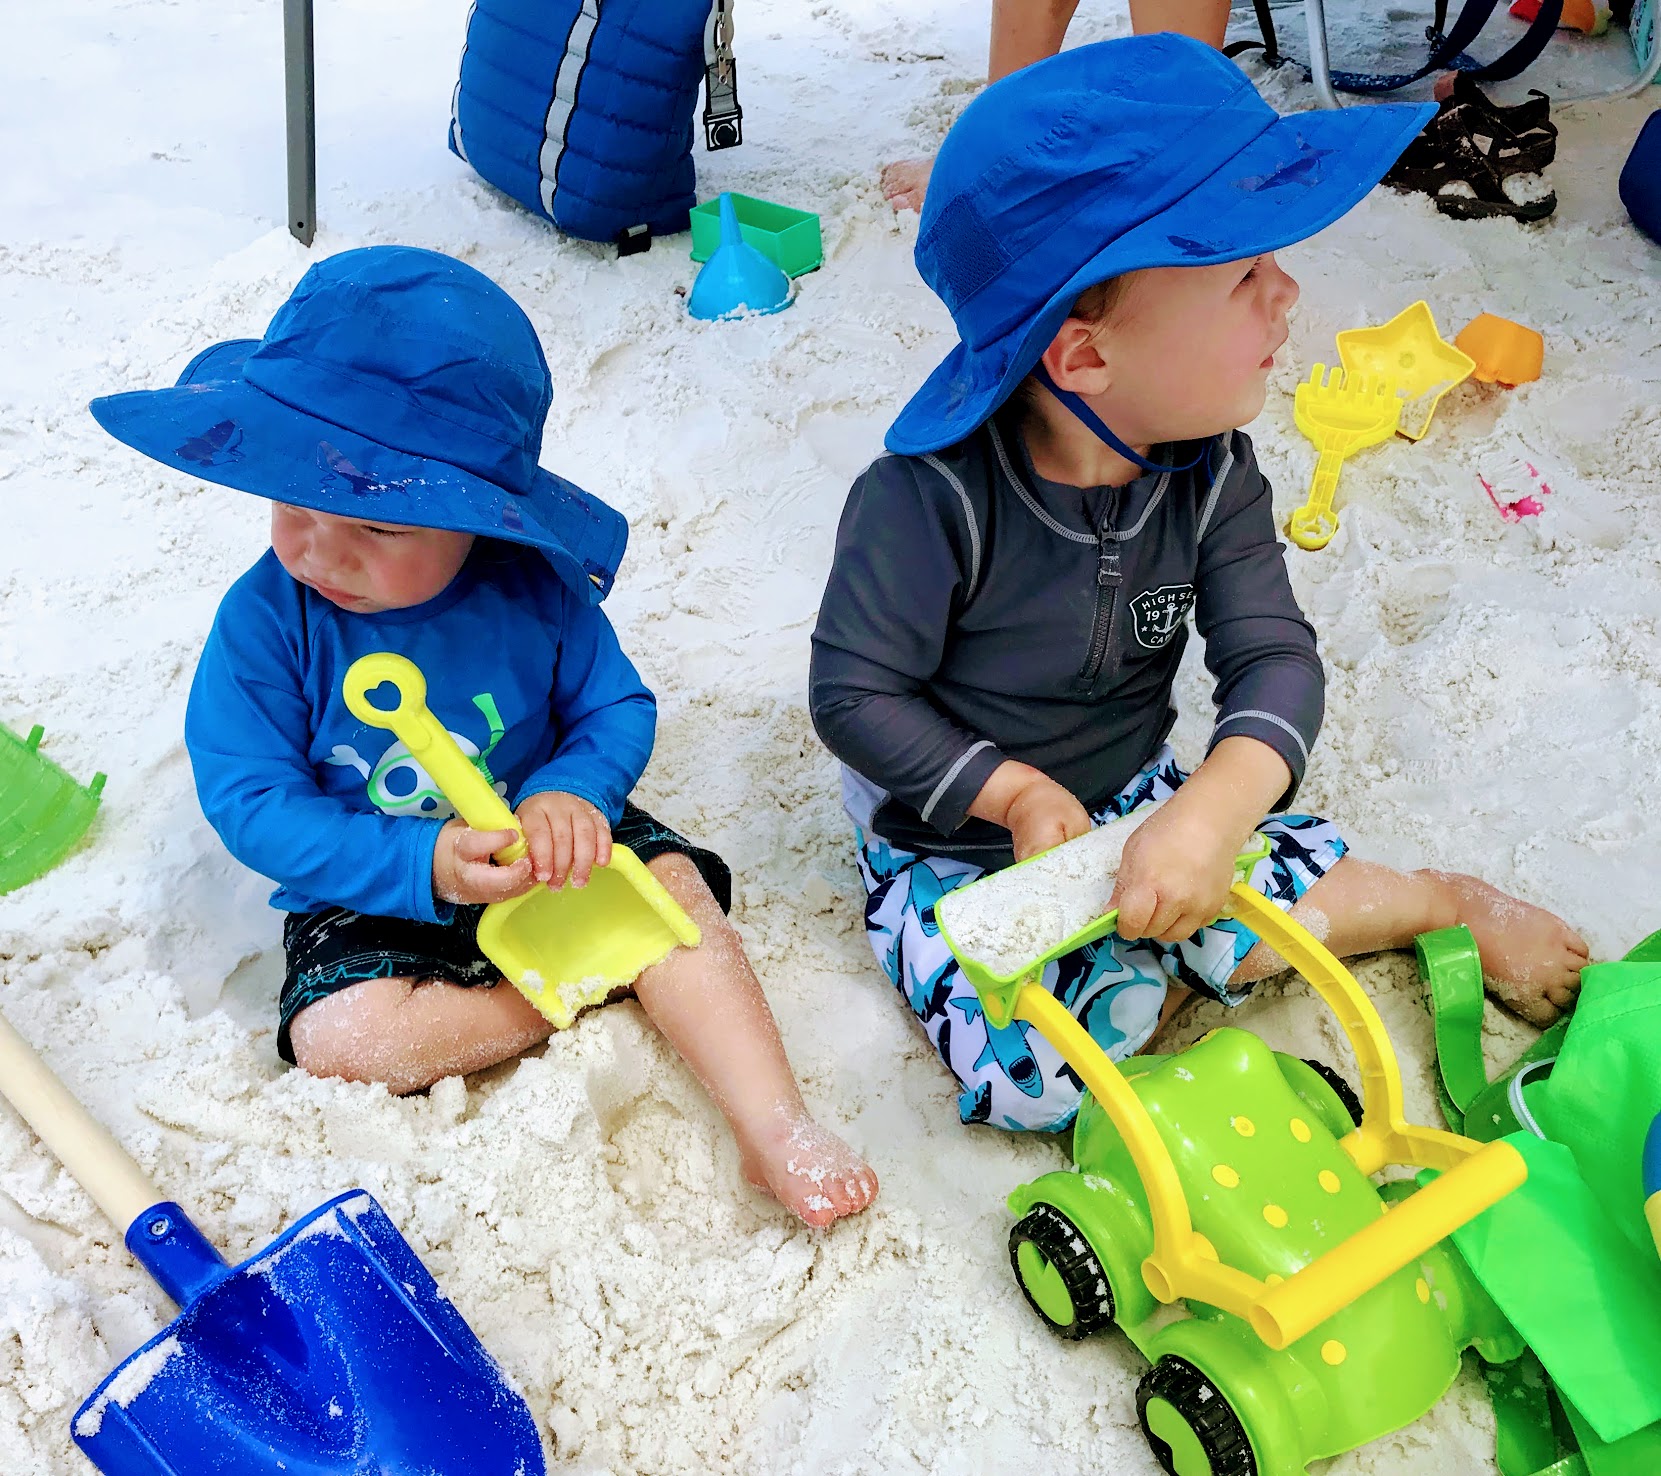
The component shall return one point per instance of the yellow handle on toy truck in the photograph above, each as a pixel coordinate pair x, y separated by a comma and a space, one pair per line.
1385, 1136
1183, 1265
428, 742
1284, 1313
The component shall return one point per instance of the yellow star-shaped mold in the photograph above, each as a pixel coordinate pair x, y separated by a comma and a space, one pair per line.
1410, 354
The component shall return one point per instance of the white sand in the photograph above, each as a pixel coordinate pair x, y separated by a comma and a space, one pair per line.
1495, 705
1013, 917
132, 1381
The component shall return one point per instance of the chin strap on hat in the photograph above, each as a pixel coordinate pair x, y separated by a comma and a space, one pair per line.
1094, 422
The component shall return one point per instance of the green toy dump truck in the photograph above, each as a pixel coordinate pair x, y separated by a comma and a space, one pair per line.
1270, 1189
1235, 1185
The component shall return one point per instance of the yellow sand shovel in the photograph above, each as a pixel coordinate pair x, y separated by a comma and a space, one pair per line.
562, 950
1342, 414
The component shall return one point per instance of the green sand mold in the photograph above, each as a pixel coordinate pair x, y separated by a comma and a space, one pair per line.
43, 812
787, 237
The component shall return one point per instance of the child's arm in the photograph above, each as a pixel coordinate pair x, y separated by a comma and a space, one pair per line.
1270, 683
608, 720
896, 578
247, 728
1270, 697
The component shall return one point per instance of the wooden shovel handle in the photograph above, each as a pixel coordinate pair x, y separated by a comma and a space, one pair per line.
82, 1145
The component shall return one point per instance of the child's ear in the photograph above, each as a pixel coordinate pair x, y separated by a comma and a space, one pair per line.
1075, 360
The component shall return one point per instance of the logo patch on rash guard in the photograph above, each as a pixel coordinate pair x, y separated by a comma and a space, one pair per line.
1159, 613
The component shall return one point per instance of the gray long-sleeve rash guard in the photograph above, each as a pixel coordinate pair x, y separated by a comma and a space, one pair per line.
977, 612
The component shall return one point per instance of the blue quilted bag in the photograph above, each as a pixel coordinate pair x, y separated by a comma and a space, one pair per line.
582, 110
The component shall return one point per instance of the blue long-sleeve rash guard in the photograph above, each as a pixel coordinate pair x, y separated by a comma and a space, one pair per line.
526, 676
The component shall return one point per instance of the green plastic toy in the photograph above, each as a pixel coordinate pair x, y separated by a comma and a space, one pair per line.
1569, 1258
791, 239
43, 812
1216, 1401
999, 992
1222, 1211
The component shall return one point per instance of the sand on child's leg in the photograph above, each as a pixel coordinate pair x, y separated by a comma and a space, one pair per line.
1531, 958
709, 1005
408, 1034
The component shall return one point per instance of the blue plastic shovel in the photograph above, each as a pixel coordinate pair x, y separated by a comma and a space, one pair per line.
330, 1353
737, 278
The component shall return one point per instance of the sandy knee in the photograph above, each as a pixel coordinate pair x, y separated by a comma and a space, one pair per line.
352, 1034
685, 883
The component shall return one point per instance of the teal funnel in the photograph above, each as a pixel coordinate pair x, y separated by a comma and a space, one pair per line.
737, 278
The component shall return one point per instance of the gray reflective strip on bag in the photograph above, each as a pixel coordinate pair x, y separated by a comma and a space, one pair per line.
560, 107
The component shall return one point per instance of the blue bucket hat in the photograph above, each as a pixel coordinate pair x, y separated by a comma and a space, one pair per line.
1150, 151
397, 385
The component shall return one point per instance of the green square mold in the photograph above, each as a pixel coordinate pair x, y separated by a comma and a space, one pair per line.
789, 238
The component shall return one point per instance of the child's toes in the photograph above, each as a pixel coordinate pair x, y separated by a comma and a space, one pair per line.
1538, 1011
837, 1196
1532, 998
1576, 953
1567, 982
857, 1190
812, 1173
834, 1198
817, 1210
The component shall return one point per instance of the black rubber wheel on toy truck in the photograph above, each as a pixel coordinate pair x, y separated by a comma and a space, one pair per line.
1059, 1274
1340, 1088
1191, 1428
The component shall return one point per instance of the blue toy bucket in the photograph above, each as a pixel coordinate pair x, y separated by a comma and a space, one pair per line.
332, 1350
330, 1353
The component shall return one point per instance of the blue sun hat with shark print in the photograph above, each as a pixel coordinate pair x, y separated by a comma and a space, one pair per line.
395, 385
1150, 151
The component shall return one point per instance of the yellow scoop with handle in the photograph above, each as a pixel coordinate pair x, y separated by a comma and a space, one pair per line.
1342, 414
562, 950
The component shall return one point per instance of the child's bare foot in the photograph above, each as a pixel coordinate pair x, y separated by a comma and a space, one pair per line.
809, 1170
906, 181
1531, 958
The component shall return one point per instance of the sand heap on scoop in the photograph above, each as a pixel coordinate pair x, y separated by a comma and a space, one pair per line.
1014, 917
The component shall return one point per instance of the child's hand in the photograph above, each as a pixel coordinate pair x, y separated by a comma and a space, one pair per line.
464, 872
1175, 875
1043, 814
1036, 811
568, 837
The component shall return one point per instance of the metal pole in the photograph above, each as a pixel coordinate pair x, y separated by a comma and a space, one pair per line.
300, 97
1320, 65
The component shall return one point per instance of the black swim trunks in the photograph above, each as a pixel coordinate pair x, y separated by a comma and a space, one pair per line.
334, 949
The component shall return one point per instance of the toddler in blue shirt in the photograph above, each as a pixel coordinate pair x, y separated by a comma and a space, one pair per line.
393, 414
